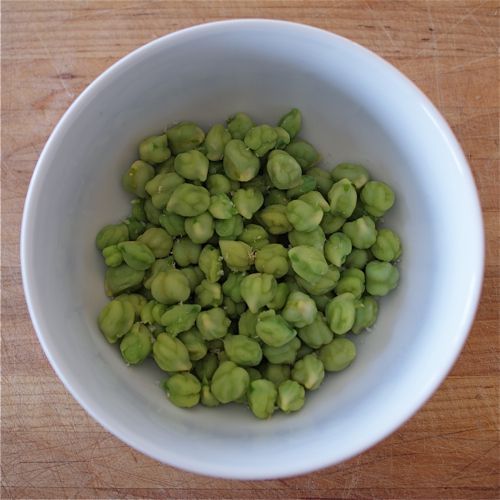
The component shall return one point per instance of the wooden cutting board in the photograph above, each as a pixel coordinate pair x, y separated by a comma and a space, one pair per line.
51, 50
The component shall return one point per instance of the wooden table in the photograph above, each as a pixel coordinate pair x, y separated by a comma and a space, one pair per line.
50, 52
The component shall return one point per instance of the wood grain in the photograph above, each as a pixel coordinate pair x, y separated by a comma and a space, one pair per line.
51, 50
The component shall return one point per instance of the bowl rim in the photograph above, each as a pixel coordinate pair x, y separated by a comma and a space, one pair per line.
311, 463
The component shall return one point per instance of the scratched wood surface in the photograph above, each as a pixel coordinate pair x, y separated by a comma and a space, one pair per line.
50, 448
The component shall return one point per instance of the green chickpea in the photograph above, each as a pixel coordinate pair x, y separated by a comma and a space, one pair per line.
194, 276
259, 182
137, 210
136, 300
205, 367
315, 238
229, 382
207, 398
213, 323
229, 229
307, 185
165, 166
283, 170
274, 219
284, 354
247, 324
338, 354
161, 187
323, 180
248, 202
304, 351
261, 139
291, 396
136, 345
243, 350
237, 255
304, 153
135, 227
195, 344
358, 259
170, 287
300, 310
185, 252
337, 248
180, 318
116, 319
280, 297
171, 354
121, 279
185, 136
157, 312
340, 313
262, 395
309, 371
255, 236
158, 266
208, 294
189, 200
183, 390
192, 165
324, 284
215, 167
343, 197
152, 213
366, 314
276, 197
157, 240
357, 174
210, 262
381, 277
308, 262
238, 125
332, 223
240, 163
291, 122
361, 232
112, 256
154, 149
215, 142
173, 224
315, 199
273, 330
136, 177
221, 206
283, 138
377, 198
352, 281
272, 259
137, 255
112, 234
233, 309
276, 373
200, 228
218, 184
317, 333
302, 216
257, 290
387, 246
322, 301
232, 286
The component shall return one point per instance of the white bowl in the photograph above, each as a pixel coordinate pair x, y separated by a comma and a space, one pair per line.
356, 107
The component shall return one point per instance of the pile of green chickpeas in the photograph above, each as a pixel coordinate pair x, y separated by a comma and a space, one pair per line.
243, 265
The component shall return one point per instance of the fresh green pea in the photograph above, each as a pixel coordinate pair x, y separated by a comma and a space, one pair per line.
272, 259
112, 234
185, 136
170, 287
157, 240
377, 198
210, 262
112, 256
366, 314
338, 354
332, 223
240, 163
283, 138
243, 350
180, 318
291, 122
136, 345
247, 324
213, 323
276, 373
358, 259
183, 390
337, 248
218, 184
229, 229
381, 277
171, 354
208, 294
302, 216
255, 236
121, 279
340, 313
257, 290
136, 300
262, 395
285, 354
221, 206
248, 201
215, 142
315, 238
291, 396
192, 165
173, 224
116, 319
324, 284
274, 219
357, 174
273, 330
158, 266
238, 125
237, 255
300, 310
309, 371
387, 246
186, 252
189, 200
152, 213
261, 139
161, 187
308, 262
195, 344
232, 286
343, 197
316, 333
276, 197
352, 281
283, 170
205, 367
200, 228
362, 232
137, 255
229, 382
304, 153
136, 177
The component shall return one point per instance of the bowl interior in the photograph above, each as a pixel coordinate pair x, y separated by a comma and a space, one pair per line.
356, 108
